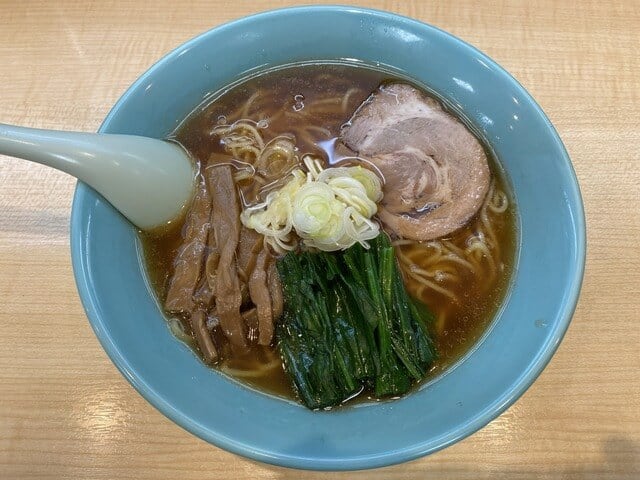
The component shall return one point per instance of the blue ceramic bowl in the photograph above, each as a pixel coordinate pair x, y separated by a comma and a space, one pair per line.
523, 337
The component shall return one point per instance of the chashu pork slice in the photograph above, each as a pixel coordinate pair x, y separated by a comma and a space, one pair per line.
435, 170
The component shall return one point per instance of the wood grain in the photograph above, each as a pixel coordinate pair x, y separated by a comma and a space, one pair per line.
65, 411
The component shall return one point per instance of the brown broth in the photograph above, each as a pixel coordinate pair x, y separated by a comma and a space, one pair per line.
312, 87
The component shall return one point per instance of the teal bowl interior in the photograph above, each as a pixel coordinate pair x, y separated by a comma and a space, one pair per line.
524, 336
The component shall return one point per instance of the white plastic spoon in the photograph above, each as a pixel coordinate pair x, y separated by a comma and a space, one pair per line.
148, 180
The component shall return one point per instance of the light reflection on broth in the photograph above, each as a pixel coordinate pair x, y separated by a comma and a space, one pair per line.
462, 278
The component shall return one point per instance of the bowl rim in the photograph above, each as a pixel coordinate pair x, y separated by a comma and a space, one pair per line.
524, 381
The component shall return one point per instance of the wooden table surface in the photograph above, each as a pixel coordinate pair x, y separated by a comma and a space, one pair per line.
66, 412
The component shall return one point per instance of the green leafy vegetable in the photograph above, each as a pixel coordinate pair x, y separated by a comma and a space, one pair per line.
350, 325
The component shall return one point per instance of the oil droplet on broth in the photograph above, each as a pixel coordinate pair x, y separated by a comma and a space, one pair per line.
299, 102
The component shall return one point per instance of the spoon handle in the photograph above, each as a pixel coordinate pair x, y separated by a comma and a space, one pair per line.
60, 150
148, 180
